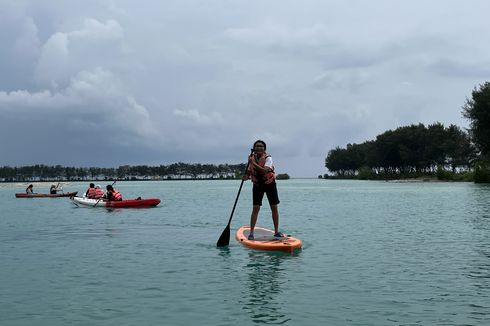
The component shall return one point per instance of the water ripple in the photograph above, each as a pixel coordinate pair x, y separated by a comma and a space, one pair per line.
374, 254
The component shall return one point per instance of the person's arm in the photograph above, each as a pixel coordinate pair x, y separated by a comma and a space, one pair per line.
263, 170
269, 164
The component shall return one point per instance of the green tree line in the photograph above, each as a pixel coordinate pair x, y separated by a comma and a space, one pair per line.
477, 110
407, 151
416, 149
126, 172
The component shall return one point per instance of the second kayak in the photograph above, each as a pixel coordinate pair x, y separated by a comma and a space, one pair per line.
145, 202
24, 195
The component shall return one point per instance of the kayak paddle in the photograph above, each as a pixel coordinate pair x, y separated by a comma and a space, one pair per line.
224, 239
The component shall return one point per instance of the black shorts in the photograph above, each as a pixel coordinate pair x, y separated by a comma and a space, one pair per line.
270, 189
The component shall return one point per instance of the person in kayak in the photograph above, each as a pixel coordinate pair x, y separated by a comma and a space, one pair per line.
261, 172
54, 189
99, 193
90, 193
29, 189
112, 194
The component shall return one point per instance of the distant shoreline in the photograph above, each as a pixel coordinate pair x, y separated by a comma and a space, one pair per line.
110, 180
439, 176
55, 181
126, 180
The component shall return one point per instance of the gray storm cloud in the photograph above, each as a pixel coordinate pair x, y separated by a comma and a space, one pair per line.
110, 83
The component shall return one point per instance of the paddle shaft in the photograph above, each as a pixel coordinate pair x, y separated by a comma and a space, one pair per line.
224, 239
236, 200
61, 187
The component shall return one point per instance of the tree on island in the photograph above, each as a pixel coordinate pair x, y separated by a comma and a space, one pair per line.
477, 110
409, 151
282, 176
416, 150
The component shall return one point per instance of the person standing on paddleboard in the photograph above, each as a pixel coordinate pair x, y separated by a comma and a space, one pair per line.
261, 172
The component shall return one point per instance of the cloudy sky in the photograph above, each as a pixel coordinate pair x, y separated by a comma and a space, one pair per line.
108, 83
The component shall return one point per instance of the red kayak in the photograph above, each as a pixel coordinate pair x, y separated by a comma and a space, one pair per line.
66, 194
148, 202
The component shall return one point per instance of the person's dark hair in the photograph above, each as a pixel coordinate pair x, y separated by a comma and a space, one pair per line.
92, 185
109, 187
260, 141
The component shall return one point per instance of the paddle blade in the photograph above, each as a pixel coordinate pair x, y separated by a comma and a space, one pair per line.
224, 239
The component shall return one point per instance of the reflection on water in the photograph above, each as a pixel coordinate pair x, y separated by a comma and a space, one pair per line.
224, 251
266, 278
478, 269
480, 203
382, 254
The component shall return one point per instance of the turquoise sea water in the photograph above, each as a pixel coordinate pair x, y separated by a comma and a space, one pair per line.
375, 253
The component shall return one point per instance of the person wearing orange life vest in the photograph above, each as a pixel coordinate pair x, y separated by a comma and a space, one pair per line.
99, 193
90, 193
112, 194
261, 172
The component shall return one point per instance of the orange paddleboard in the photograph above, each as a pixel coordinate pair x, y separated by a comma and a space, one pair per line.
264, 240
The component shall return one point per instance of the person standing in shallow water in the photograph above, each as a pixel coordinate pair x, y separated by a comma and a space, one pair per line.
261, 172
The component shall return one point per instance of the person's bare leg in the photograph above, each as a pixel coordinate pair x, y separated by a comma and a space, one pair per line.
275, 217
253, 218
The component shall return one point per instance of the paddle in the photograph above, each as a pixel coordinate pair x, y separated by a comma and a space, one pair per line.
58, 188
224, 239
101, 197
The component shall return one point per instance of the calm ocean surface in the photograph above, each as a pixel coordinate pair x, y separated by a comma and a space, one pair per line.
375, 253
